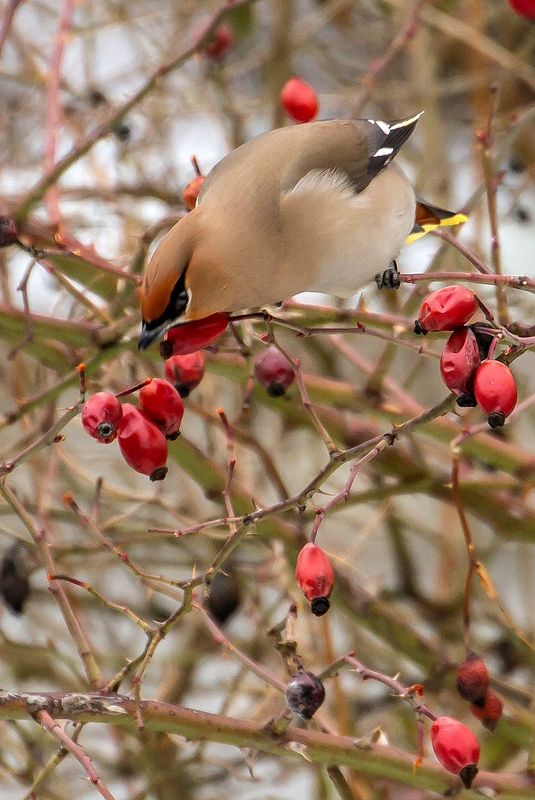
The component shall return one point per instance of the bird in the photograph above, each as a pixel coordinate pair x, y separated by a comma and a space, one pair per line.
318, 207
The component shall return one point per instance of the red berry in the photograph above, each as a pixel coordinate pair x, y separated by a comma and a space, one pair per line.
446, 309
101, 416
458, 364
304, 693
190, 336
163, 405
456, 747
473, 678
315, 577
143, 445
495, 391
299, 100
524, 7
221, 41
185, 372
273, 371
490, 712
191, 192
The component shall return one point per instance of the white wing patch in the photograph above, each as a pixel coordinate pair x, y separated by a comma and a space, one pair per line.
325, 181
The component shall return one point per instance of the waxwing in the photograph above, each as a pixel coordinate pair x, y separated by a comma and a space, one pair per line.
317, 207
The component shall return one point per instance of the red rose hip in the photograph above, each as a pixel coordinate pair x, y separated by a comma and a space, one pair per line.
273, 371
315, 577
185, 372
446, 309
495, 391
142, 444
221, 41
299, 100
101, 416
456, 747
526, 8
191, 336
163, 405
458, 364
473, 678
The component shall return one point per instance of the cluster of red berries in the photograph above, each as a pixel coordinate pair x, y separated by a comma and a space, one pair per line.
473, 686
299, 100
143, 432
464, 364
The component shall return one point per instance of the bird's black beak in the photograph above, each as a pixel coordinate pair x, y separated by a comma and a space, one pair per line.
147, 336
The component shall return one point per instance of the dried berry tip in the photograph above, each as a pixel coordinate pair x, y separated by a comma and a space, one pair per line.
496, 419
467, 775
159, 474
319, 606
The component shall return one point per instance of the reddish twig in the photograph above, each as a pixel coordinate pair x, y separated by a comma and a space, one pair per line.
486, 139
52, 176
50, 724
53, 111
7, 19
378, 65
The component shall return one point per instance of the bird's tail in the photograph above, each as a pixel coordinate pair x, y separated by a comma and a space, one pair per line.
429, 217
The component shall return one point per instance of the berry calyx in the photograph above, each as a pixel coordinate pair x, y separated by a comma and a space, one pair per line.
101, 416
473, 678
162, 403
495, 391
221, 41
456, 747
185, 372
315, 577
304, 693
459, 361
299, 100
142, 444
489, 713
190, 336
446, 309
273, 371
526, 8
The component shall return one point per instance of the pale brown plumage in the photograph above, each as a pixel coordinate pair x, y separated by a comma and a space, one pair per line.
315, 207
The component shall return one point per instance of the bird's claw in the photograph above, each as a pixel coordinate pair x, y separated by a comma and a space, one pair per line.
389, 279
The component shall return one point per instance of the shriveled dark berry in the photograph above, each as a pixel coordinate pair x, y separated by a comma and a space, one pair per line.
225, 595
473, 678
15, 576
304, 693
489, 712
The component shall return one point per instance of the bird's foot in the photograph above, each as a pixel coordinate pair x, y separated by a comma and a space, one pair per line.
389, 279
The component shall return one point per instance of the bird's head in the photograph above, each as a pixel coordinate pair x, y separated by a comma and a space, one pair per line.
180, 283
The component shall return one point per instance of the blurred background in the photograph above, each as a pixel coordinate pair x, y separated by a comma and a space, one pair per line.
104, 84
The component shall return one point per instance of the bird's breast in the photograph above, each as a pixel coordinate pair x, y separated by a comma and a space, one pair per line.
338, 239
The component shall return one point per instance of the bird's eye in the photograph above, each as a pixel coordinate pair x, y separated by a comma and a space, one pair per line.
178, 302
